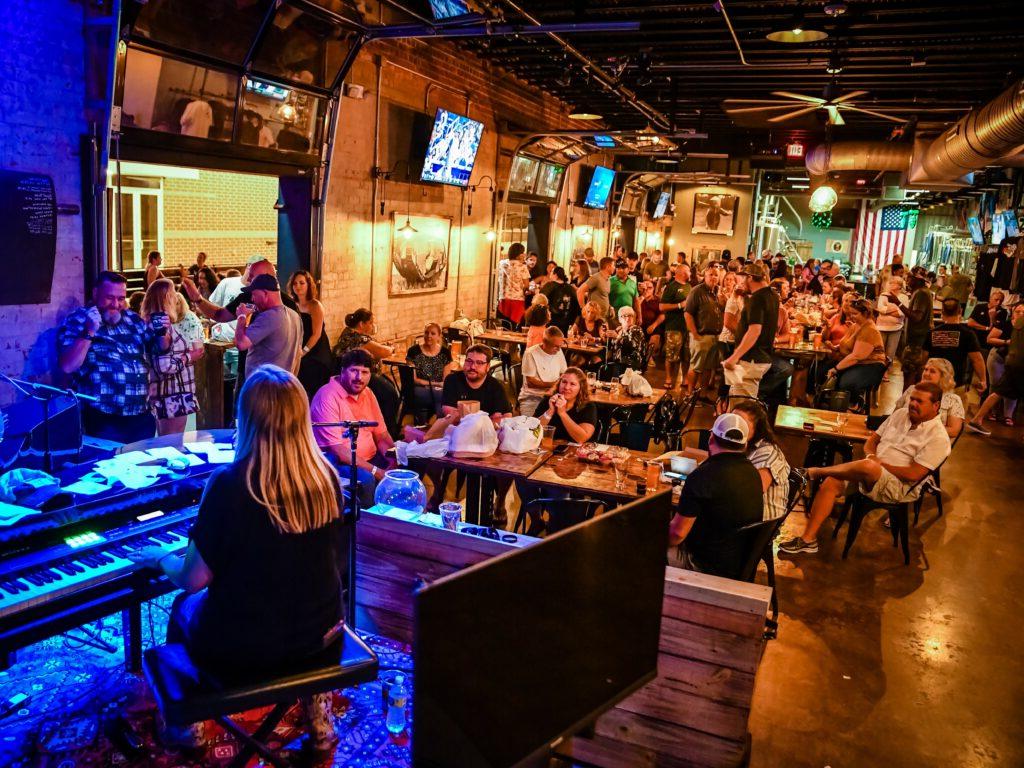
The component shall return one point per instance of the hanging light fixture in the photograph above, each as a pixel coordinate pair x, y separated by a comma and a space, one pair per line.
835, 63
823, 199
796, 30
408, 230
491, 235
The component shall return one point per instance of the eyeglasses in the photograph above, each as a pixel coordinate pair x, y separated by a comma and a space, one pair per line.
476, 361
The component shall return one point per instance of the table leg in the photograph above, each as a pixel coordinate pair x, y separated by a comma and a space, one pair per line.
473, 498
487, 494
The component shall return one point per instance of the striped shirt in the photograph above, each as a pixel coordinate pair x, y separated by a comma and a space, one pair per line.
765, 455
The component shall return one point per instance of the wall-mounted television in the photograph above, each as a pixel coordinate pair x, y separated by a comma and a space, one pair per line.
451, 151
600, 187
603, 141
271, 91
533, 180
975, 228
1010, 218
998, 229
448, 9
662, 205
632, 201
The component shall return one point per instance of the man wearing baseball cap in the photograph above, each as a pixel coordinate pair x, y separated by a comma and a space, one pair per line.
274, 334
755, 334
721, 496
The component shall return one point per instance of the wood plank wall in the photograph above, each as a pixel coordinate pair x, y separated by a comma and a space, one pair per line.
693, 714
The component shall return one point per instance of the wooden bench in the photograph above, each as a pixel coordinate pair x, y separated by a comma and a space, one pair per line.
712, 638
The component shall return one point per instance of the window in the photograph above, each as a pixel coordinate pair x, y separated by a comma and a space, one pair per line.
303, 47
221, 28
141, 212
279, 117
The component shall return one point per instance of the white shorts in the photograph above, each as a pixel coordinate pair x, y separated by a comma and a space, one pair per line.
747, 379
889, 489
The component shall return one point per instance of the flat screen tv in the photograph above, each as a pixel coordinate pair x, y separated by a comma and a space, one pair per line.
549, 181
632, 201
448, 9
605, 142
583, 611
975, 228
451, 151
662, 205
998, 229
523, 177
600, 187
1012, 229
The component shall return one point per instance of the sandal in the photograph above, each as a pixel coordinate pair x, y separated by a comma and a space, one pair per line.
1008, 421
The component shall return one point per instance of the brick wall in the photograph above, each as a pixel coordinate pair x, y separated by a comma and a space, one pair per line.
228, 215
42, 93
357, 243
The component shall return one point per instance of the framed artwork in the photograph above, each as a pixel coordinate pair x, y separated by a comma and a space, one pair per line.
419, 260
706, 254
714, 213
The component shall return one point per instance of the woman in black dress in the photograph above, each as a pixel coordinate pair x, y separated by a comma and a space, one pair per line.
317, 363
432, 361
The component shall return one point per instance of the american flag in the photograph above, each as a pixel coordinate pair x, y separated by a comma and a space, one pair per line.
879, 236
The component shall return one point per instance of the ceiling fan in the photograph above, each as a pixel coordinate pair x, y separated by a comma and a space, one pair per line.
834, 106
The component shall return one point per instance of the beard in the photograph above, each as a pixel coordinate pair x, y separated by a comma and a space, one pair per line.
111, 316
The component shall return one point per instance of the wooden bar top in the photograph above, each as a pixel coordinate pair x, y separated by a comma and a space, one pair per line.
567, 471
792, 418
498, 464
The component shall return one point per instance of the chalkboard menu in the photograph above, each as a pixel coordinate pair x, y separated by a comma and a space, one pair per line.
28, 237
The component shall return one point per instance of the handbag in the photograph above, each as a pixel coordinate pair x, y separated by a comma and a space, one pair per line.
172, 390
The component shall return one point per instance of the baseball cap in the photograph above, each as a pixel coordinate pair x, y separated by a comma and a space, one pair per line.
755, 271
732, 428
264, 283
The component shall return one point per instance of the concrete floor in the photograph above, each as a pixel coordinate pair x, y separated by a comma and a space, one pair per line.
881, 664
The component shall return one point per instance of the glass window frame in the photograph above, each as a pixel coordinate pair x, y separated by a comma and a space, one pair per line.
135, 193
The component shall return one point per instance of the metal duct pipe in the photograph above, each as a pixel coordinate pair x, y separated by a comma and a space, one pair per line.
858, 156
979, 138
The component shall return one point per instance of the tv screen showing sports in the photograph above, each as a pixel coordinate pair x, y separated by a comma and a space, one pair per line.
452, 149
1012, 229
549, 181
605, 142
448, 9
662, 205
975, 227
600, 187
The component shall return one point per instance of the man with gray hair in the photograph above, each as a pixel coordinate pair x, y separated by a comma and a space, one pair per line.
543, 365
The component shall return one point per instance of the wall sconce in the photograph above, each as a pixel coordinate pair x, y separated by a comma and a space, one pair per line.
472, 190
491, 235
671, 241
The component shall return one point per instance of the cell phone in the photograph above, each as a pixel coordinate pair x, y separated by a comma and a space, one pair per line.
560, 449
672, 475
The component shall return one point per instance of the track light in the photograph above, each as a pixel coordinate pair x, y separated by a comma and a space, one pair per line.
835, 63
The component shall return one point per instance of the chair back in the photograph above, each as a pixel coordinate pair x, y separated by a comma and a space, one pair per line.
407, 380
609, 371
456, 334
517, 377
564, 513
758, 538
628, 431
797, 484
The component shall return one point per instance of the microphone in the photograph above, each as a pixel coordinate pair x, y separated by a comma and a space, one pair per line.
359, 424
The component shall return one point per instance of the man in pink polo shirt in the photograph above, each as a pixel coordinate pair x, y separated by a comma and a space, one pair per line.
345, 397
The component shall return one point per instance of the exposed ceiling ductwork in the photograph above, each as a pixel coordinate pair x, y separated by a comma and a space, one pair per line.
990, 135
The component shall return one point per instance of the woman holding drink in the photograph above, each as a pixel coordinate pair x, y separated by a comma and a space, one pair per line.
569, 409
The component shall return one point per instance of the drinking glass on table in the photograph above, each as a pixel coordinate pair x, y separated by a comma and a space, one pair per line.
620, 461
653, 470
547, 440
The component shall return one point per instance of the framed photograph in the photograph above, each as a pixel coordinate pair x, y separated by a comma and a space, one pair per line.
714, 213
419, 259
706, 254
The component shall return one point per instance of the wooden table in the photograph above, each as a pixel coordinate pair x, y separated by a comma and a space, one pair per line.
825, 423
518, 337
622, 399
483, 474
804, 355
209, 373
568, 472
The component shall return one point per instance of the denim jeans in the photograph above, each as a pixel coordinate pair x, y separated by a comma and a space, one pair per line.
860, 378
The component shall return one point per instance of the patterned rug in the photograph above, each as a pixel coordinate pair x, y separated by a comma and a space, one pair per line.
78, 689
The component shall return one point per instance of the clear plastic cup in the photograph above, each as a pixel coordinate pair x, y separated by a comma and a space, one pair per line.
547, 440
451, 515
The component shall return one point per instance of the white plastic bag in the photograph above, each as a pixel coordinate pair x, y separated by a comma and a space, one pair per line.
473, 327
473, 437
520, 434
431, 449
635, 384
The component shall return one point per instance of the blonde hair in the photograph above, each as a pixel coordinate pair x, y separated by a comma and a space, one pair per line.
284, 470
947, 379
161, 296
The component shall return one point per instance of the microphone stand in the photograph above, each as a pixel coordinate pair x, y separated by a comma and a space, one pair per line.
352, 433
47, 394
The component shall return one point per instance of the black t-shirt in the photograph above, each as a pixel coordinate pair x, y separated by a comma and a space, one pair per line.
675, 293
491, 394
705, 310
761, 308
980, 315
586, 414
954, 342
724, 493
273, 595
917, 330
562, 303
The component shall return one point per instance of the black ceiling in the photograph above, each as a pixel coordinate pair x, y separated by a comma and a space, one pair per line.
683, 61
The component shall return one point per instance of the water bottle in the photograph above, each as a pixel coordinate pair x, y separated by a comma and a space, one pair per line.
397, 699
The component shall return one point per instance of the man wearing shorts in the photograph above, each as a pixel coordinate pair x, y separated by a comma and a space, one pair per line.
673, 304
755, 335
910, 444
704, 319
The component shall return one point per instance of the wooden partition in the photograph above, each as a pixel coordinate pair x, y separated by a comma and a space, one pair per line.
693, 714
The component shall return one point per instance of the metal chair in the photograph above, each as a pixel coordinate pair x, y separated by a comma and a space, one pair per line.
625, 430
931, 485
562, 513
609, 371
500, 325
407, 391
858, 505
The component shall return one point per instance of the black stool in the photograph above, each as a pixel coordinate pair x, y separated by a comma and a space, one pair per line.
186, 695
858, 505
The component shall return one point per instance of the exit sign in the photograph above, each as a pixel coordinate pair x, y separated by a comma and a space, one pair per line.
795, 150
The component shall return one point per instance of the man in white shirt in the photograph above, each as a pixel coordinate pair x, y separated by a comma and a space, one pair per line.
906, 448
543, 364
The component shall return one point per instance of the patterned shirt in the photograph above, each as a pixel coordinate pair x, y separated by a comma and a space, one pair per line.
115, 367
765, 455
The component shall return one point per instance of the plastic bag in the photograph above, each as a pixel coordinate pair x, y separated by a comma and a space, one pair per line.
520, 434
473, 327
431, 449
635, 384
473, 437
